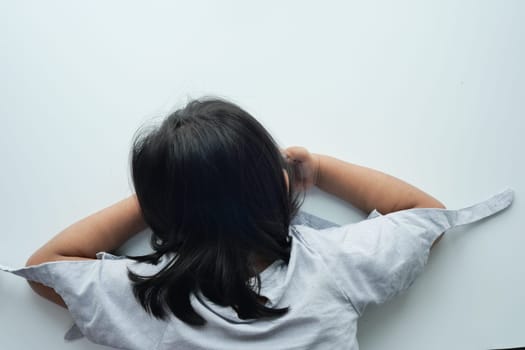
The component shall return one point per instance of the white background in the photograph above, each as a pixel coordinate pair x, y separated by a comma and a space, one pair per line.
430, 92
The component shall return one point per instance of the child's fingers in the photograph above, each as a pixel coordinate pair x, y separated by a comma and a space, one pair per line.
298, 153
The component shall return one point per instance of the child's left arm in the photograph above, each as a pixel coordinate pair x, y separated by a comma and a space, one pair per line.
104, 230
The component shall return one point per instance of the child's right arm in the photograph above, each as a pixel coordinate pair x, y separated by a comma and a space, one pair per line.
364, 188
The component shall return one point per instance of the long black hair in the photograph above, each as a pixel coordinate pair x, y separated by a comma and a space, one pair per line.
210, 183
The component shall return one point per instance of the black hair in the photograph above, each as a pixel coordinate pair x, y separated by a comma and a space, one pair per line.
210, 183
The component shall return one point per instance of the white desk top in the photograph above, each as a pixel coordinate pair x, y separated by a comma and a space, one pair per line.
431, 93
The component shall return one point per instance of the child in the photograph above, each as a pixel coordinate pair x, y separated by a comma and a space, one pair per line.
235, 265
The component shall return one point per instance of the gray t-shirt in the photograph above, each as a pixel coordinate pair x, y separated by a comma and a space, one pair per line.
334, 272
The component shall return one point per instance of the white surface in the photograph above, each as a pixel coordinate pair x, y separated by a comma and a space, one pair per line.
433, 93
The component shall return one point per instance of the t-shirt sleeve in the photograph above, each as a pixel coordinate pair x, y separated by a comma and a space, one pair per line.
376, 259
99, 297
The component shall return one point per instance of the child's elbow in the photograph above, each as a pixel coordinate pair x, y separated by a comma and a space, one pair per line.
40, 289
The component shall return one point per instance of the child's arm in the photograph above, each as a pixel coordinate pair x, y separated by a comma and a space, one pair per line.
364, 188
104, 230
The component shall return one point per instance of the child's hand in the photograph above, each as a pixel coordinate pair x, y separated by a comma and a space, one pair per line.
306, 163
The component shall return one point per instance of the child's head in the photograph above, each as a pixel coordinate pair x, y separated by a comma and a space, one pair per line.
211, 184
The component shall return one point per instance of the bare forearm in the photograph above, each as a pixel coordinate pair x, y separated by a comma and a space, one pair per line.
369, 189
104, 230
